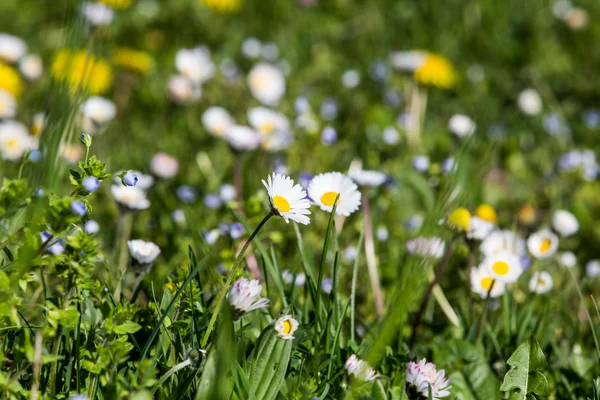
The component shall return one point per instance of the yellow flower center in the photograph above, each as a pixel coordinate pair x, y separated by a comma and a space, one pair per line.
11, 143
460, 218
281, 203
486, 283
541, 282
267, 127
258, 81
545, 246
500, 268
329, 198
287, 326
486, 213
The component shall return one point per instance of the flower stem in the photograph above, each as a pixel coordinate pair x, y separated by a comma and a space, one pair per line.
170, 372
371, 259
230, 276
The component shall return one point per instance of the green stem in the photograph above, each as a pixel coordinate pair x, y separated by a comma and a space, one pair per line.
353, 293
230, 276
170, 372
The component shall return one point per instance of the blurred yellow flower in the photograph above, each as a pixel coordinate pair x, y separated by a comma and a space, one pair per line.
82, 69
223, 6
119, 4
527, 215
10, 80
460, 219
133, 60
486, 213
436, 71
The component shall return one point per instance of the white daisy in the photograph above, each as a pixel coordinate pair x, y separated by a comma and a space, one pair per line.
481, 282
242, 138
14, 140
12, 48
266, 121
164, 165
182, 90
568, 259
541, 282
31, 66
217, 120
8, 105
325, 188
142, 251
71, 153
504, 266
461, 125
195, 64
530, 102
479, 228
267, 83
97, 14
424, 378
360, 369
244, 296
565, 223
96, 112
130, 197
288, 200
502, 240
542, 244
277, 141
286, 326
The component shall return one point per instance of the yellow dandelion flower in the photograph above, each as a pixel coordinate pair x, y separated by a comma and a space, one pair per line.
223, 6
81, 69
460, 219
487, 213
119, 4
10, 80
133, 60
436, 71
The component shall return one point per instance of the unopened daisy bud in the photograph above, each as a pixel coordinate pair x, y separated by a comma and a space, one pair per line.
285, 327
360, 369
487, 213
460, 219
245, 296
130, 179
90, 183
86, 139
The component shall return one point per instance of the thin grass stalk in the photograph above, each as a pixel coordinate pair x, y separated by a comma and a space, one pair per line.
371, 258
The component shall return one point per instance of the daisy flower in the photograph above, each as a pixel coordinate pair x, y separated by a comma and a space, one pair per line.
96, 112
542, 244
164, 165
461, 125
242, 138
504, 266
481, 283
266, 83
195, 64
285, 327
565, 223
266, 121
287, 199
530, 102
142, 251
244, 296
277, 141
14, 140
8, 105
31, 66
423, 377
130, 197
12, 48
97, 14
360, 369
427, 68
182, 90
71, 153
217, 120
502, 240
479, 229
325, 188
541, 282
426, 247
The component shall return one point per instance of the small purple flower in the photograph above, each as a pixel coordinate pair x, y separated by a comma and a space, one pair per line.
78, 207
236, 230
448, 165
91, 183
56, 248
591, 118
390, 135
327, 285
280, 166
420, 163
212, 201
227, 192
328, 136
223, 228
187, 194
329, 109
379, 70
39, 192
304, 179
301, 105
35, 156
525, 262
91, 227
130, 179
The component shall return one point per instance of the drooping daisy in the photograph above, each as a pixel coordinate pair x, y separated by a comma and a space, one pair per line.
541, 282
245, 296
130, 197
97, 14
10, 80
287, 199
423, 378
164, 165
267, 83
12, 48
182, 90
8, 105
325, 188
360, 369
14, 140
242, 138
565, 223
504, 266
195, 64
542, 244
217, 120
426, 247
285, 327
481, 283
142, 251
31, 66
502, 240
96, 112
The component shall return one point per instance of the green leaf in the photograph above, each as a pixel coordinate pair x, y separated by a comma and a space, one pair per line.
127, 327
524, 377
269, 365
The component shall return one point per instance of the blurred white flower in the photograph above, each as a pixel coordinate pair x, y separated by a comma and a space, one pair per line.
426, 247
368, 178
479, 228
407, 60
182, 90
267, 83
502, 240
71, 153
91, 227
325, 188
592, 268
96, 112
31, 66
461, 125
542, 244
217, 120
541, 282
382, 234
269, 51
12, 48
285, 327
577, 18
360, 369
244, 296
390, 135
350, 78
130, 197
420, 163
195, 64
251, 47
14, 140
565, 223
142, 251
227, 192
481, 283
568, 259
266, 121
164, 165
97, 14
242, 138
8, 105
530, 102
